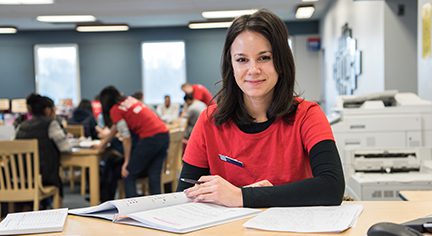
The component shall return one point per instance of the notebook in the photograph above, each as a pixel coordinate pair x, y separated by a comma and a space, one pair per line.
34, 222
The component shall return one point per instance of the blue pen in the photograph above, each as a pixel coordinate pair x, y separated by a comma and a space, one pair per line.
231, 160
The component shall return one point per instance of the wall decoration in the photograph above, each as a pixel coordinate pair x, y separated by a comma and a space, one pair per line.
348, 63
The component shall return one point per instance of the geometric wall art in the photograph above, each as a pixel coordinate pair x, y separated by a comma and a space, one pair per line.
348, 63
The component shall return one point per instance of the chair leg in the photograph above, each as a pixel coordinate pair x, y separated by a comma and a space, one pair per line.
83, 181
11, 207
56, 203
71, 178
121, 189
36, 204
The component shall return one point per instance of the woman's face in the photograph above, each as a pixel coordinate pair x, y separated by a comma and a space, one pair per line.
252, 62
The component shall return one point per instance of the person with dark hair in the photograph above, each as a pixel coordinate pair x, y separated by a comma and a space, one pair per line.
198, 92
261, 145
126, 115
83, 115
195, 107
52, 139
26, 116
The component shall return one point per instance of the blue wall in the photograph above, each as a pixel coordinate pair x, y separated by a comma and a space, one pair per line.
115, 58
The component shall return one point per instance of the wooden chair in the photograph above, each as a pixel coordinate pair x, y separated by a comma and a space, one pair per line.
170, 169
77, 131
20, 178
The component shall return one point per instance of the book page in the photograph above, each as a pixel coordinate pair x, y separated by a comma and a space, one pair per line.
121, 207
307, 219
106, 210
137, 204
189, 216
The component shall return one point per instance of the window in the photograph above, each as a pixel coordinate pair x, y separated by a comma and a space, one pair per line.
164, 71
57, 72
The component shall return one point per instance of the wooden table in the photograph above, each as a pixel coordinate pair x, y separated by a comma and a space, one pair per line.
374, 212
416, 195
88, 158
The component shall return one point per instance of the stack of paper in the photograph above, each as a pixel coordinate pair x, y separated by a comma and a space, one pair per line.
307, 219
34, 222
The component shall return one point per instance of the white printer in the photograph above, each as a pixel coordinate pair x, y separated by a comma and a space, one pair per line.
387, 119
380, 173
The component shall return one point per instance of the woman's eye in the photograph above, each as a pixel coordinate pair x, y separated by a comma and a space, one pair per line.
241, 59
265, 58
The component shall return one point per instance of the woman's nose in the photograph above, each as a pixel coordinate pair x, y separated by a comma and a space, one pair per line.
254, 68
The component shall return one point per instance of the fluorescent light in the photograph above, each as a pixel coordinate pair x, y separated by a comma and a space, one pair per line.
66, 18
8, 30
19, 2
209, 25
304, 12
226, 14
310, 0
102, 28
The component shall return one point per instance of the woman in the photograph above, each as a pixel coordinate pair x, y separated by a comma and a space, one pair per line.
261, 146
52, 139
127, 115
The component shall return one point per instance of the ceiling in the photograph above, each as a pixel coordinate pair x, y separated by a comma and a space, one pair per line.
143, 13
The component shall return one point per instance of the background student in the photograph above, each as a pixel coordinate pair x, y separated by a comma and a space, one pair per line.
147, 155
199, 92
261, 146
168, 111
52, 139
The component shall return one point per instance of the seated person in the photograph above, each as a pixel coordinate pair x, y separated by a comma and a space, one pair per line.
52, 139
83, 115
195, 107
168, 111
261, 145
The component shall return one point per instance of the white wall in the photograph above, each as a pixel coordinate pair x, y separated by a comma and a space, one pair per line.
366, 19
308, 82
424, 65
400, 46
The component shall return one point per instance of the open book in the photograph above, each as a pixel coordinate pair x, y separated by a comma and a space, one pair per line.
172, 212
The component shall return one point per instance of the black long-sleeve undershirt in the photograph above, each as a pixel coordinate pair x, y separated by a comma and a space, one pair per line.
326, 187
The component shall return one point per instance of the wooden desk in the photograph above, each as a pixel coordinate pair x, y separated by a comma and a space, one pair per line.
88, 158
419, 195
374, 212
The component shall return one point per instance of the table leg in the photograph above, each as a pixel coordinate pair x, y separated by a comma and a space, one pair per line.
94, 182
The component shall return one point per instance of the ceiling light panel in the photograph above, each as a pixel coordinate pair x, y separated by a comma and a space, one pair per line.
102, 28
25, 2
66, 18
226, 14
209, 25
7, 30
304, 12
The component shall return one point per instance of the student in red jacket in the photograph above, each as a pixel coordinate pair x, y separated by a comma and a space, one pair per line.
126, 115
198, 92
261, 146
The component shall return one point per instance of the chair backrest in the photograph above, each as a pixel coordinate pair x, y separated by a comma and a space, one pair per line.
76, 130
19, 170
171, 166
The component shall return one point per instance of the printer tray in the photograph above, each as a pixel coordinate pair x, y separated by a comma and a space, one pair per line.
423, 225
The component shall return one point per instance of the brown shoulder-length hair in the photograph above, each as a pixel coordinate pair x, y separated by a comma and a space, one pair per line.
230, 97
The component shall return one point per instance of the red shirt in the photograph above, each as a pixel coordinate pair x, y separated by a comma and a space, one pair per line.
96, 107
278, 154
140, 119
201, 93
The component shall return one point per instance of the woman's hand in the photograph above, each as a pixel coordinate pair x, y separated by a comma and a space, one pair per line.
124, 171
216, 189
262, 183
